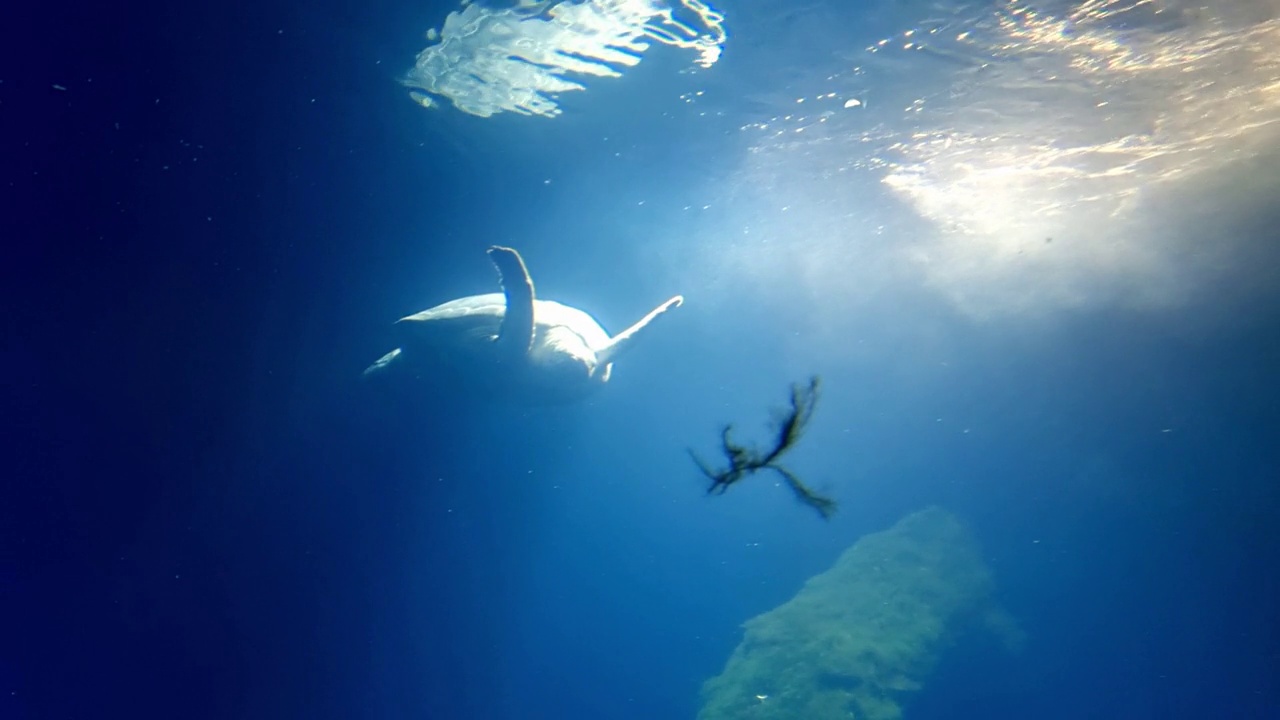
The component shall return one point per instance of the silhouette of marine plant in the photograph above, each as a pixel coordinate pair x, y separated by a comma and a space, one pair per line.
744, 460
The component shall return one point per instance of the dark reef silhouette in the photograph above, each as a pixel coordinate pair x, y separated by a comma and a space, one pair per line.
745, 461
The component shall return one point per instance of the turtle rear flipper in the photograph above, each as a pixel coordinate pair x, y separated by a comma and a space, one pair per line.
516, 333
620, 342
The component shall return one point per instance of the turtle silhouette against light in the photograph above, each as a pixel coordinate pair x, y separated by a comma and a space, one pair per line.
512, 345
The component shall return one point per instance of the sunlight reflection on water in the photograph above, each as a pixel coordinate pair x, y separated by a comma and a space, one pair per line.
1043, 150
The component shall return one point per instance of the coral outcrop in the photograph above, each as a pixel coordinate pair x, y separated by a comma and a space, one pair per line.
860, 638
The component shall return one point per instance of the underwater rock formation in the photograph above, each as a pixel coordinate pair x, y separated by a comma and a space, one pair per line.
745, 461
860, 638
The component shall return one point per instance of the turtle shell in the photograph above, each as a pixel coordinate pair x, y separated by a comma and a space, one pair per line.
479, 317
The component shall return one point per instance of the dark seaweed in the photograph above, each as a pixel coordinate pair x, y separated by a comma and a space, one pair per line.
745, 461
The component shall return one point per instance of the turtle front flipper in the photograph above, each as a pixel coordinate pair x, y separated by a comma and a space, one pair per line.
382, 364
618, 343
516, 333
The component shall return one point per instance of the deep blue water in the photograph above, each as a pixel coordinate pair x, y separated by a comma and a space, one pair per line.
205, 514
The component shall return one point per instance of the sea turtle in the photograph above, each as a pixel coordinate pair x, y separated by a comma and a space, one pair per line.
511, 345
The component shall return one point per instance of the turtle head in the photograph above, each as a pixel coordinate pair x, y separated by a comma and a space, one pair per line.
561, 351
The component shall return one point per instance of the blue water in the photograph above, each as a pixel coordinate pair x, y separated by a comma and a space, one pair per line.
209, 230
